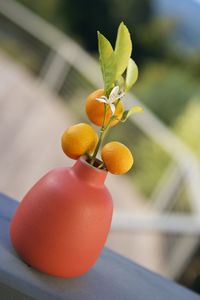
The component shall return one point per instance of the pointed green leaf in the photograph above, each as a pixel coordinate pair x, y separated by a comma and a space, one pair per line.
131, 111
123, 49
131, 74
107, 61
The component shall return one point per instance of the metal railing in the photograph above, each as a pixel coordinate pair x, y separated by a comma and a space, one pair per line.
60, 57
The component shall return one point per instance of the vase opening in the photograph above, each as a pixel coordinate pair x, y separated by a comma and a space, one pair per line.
97, 162
84, 170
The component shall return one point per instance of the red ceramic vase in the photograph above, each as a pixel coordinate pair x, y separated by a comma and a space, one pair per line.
62, 223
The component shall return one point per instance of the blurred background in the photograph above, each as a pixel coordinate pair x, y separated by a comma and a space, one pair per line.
49, 64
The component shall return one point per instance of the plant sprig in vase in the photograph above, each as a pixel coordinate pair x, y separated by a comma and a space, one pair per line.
104, 107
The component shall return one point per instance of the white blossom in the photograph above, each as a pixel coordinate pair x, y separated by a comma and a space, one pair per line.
114, 95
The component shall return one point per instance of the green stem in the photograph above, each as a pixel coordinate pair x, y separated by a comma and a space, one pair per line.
101, 165
103, 132
104, 116
100, 136
97, 148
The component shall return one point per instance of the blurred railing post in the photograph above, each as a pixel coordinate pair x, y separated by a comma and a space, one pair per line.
53, 71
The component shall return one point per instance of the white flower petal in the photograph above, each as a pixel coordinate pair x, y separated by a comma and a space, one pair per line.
104, 97
110, 101
113, 94
121, 95
116, 98
101, 100
112, 107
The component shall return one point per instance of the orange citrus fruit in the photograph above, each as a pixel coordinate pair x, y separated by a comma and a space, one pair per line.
78, 140
117, 158
95, 109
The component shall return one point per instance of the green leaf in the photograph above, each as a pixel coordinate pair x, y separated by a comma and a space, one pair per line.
131, 74
131, 111
121, 83
107, 61
123, 49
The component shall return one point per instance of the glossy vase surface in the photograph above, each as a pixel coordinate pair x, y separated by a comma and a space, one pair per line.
61, 225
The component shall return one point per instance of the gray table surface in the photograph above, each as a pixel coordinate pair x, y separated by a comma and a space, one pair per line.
112, 277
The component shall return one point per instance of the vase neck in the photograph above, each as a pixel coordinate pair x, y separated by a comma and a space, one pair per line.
88, 173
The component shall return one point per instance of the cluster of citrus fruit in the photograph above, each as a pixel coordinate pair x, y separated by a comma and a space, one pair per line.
82, 139
104, 108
